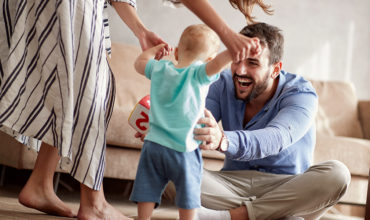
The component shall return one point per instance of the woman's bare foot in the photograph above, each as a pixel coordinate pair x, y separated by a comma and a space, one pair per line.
44, 200
93, 206
38, 193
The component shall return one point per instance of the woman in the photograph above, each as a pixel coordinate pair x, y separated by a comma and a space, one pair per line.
56, 86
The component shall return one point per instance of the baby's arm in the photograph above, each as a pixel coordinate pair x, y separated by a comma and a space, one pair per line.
145, 56
217, 64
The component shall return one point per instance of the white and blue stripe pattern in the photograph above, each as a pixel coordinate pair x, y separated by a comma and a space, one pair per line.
106, 22
55, 83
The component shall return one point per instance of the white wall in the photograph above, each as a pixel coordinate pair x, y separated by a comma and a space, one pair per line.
324, 39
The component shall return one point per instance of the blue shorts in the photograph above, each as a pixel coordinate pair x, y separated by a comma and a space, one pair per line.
158, 165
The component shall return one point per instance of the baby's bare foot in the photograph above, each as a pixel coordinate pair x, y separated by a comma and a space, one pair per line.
104, 212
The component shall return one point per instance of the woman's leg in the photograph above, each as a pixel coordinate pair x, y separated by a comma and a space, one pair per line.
38, 193
93, 206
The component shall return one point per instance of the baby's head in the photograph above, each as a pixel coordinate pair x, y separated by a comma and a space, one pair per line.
198, 42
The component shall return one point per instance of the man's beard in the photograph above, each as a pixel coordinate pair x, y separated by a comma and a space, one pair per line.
257, 89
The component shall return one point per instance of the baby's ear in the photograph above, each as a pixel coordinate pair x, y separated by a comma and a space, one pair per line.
176, 53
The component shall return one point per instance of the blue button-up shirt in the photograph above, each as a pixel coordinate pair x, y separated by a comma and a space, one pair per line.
280, 138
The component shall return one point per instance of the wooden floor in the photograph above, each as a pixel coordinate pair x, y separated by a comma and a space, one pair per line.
11, 209
116, 192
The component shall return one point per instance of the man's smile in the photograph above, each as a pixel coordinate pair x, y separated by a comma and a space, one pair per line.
243, 83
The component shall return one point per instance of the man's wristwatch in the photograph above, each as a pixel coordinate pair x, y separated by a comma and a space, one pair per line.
224, 143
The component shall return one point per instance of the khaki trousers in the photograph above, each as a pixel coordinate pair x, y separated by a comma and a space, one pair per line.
273, 196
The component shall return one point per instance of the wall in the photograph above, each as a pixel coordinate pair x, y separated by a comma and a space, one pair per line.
326, 40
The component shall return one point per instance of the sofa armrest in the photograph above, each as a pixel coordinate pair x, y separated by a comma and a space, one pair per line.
364, 117
353, 152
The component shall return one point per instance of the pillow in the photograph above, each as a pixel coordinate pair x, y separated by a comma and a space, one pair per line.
337, 113
130, 88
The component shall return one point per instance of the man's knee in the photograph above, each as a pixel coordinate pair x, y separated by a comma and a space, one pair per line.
335, 176
337, 172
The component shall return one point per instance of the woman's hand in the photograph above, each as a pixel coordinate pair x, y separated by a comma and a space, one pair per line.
150, 39
241, 47
210, 134
146, 38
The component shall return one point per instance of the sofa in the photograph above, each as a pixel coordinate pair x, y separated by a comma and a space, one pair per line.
343, 131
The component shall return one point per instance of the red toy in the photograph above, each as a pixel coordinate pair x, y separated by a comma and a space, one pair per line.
139, 117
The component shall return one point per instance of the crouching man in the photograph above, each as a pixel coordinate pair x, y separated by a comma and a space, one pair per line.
268, 139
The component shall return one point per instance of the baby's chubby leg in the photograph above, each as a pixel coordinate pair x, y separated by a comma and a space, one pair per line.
187, 214
145, 210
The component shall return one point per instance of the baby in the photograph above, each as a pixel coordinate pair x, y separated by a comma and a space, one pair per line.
177, 99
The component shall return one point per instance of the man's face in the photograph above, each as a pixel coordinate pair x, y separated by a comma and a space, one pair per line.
252, 76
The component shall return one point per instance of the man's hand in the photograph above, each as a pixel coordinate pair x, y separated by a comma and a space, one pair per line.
210, 134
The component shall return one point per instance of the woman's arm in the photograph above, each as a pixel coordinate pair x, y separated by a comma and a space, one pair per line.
147, 39
239, 46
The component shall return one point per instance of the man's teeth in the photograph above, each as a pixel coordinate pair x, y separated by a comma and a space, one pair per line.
244, 81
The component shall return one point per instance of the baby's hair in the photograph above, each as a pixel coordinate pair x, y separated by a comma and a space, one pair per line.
246, 7
200, 41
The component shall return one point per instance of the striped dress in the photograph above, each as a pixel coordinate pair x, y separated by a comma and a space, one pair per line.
55, 83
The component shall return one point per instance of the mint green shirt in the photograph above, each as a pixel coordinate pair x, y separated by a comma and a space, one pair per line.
177, 101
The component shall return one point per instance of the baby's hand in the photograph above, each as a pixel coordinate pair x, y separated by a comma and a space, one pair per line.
140, 135
165, 50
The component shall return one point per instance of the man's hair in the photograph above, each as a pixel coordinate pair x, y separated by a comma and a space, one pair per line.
199, 41
269, 36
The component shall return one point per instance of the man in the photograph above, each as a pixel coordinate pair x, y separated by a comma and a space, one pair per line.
268, 140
